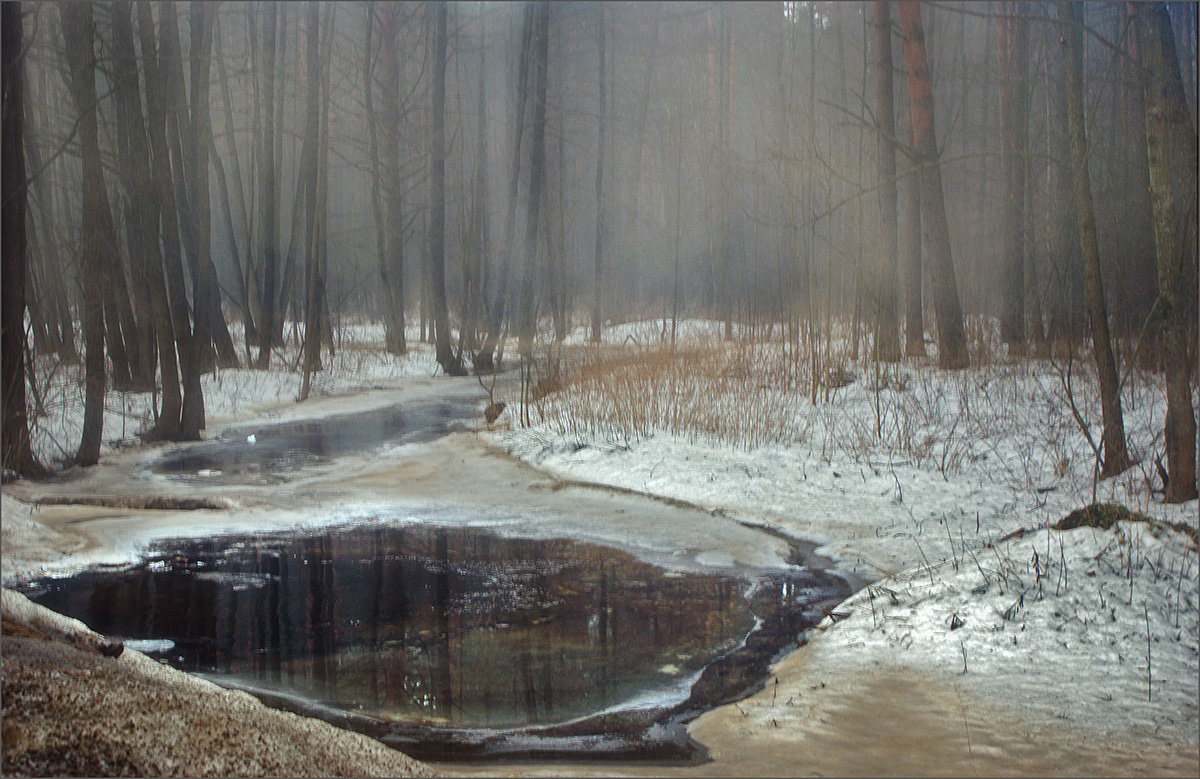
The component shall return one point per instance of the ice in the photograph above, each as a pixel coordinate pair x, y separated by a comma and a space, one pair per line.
149, 645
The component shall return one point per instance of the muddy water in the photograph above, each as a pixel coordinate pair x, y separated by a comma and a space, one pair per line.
452, 641
273, 453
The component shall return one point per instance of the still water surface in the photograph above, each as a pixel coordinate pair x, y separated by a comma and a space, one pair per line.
416, 628
272, 453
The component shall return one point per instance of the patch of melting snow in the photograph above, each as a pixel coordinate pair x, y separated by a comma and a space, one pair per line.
149, 646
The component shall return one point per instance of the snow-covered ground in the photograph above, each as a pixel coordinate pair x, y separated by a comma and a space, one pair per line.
914, 482
1091, 626
359, 363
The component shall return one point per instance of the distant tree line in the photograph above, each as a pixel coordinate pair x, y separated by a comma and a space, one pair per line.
176, 176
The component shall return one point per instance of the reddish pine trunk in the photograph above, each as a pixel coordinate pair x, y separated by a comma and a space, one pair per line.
952, 342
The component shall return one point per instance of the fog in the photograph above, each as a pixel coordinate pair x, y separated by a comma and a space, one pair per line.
586, 164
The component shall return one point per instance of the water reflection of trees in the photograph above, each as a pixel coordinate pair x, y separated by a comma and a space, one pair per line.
449, 625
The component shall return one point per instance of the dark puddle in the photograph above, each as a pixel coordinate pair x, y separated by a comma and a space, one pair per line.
456, 643
271, 453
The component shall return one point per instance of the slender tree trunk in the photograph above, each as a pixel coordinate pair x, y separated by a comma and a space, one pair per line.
392, 262
952, 344
1014, 127
237, 215
198, 141
132, 142
49, 277
172, 298
437, 211
476, 278
601, 216
1067, 310
310, 170
192, 220
79, 36
725, 151
268, 201
376, 187
485, 361
1171, 151
14, 432
142, 223
285, 287
1115, 459
527, 315
887, 337
1138, 269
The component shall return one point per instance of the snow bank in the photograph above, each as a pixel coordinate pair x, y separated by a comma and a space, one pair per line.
1051, 625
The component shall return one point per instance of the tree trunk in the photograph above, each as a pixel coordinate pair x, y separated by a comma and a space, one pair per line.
17, 454
475, 270
1171, 151
601, 216
174, 301
914, 317
527, 314
484, 360
268, 200
437, 208
79, 38
197, 142
887, 337
1014, 117
132, 137
391, 267
310, 171
1115, 459
142, 219
1067, 306
725, 153
241, 239
952, 344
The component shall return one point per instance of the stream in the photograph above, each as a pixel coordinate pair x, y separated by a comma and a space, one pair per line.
507, 617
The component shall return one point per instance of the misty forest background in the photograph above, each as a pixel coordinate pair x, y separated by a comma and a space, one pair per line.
193, 187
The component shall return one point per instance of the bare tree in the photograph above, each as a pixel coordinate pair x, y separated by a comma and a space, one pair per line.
1115, 458
1014, 116
312, 183
79, 36
196, 144
437, 213
268, 198
144, 208
887, 337
17, 454
526, 313
391, 260
1171, 151
485, 361
601, 215
952, 344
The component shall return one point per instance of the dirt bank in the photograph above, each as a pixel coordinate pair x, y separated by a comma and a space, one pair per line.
68, 710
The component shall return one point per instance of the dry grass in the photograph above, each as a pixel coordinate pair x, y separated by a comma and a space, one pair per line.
742, 394
1004, 419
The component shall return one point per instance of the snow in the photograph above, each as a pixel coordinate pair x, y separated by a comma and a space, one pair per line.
360, 363
1055, 624
912, 483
